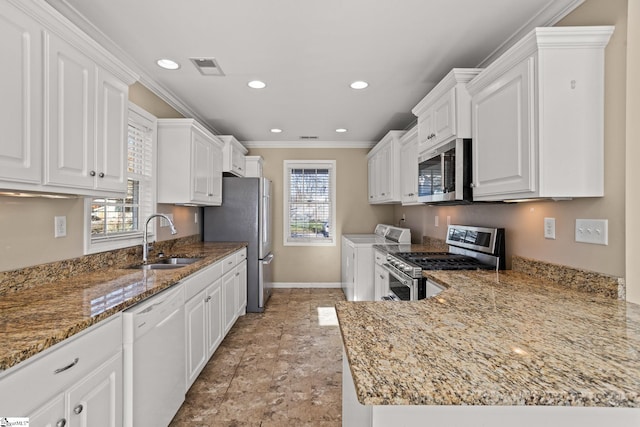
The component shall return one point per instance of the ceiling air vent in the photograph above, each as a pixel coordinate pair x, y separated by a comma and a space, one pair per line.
308, 137
207, 66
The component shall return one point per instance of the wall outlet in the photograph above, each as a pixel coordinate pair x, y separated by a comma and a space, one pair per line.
164, 222
195, 217
448, 220
437, 220
550, 228
594, 231
60, 226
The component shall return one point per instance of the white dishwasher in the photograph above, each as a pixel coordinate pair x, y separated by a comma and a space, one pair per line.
154, 359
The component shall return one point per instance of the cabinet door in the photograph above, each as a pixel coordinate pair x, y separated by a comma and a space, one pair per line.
229, 297
409, 172
425, 130
111, 142
195, 324
96, 401
70, 138
384, 173
381, 280
444, 117
22, 97
216, 176
242, 288
214, 328
237, 161
503, 136
373, 188
202, 167
51, 414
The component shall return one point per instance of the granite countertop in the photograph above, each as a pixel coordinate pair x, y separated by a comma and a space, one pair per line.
491, 338
36, 318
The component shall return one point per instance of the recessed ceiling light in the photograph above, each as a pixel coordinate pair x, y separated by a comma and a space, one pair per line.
341, 130
256, 84
167, 64
276, 130
359, 84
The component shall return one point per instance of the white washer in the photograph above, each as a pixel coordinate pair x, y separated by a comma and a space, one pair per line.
357, 259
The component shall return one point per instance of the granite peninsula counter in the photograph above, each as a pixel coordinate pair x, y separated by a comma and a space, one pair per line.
35, 317
503, 339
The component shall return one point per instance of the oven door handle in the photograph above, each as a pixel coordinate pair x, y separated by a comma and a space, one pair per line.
392, 271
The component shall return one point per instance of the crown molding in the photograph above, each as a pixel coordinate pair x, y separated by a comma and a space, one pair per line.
309, 144
549, 16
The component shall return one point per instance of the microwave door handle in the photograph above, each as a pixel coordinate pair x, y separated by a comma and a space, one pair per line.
442, 173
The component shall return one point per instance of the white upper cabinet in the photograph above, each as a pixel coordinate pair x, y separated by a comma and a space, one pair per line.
233, 160
445, 112
21, 103
189, 163
384, 169
253, 166
538, 117
409, 167
64, 106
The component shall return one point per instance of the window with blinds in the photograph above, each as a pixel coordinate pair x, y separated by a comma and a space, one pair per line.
121, 219
310, 202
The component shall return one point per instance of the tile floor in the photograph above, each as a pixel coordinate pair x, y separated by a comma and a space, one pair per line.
279, 368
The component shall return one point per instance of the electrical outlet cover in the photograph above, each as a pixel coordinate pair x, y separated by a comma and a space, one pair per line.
550, 228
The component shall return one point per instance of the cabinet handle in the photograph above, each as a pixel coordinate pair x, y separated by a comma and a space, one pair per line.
69, 366
381, 276
238, 273
101, 175
77, 409
92, 173
472, 185
61, 422
208, 299
383, 194
210, 194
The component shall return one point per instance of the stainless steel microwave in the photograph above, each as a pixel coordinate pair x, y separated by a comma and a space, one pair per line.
444, 173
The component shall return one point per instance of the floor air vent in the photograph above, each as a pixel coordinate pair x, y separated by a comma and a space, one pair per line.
207, 66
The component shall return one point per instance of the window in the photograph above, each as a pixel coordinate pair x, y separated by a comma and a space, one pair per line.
117, 222
309, 202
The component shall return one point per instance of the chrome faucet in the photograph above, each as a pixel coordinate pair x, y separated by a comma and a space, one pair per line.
145, 244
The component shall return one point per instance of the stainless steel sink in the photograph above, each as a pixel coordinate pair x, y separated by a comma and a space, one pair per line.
167, 263
178, 261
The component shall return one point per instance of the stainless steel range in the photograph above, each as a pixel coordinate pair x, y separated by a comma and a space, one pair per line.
470, 248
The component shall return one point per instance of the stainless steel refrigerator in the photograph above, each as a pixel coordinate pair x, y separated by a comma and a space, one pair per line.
245, 216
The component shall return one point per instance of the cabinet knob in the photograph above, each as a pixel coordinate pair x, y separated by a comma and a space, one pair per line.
92, 173
101, 175
210, 194
78, 409
238, 273
61, 422
472, 185
208, 299
383, 194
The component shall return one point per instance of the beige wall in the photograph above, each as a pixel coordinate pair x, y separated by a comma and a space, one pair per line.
524, 222
27, 223
316, 264
632, 154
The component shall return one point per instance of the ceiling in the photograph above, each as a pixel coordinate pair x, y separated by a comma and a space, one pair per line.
307, 52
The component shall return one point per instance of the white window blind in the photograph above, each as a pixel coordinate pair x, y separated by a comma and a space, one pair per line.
309, 202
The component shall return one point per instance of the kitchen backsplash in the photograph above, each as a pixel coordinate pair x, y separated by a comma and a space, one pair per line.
575, 278
29, 277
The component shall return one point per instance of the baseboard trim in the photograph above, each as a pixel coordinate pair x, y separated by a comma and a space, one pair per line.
307, 285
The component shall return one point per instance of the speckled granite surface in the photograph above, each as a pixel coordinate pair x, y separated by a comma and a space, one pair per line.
33, 318
492, 338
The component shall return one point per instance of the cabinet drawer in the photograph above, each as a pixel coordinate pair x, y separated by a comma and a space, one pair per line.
36, 380
197, 282
241, 255
229, 263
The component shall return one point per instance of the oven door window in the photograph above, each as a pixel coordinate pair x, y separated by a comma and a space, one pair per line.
402, 291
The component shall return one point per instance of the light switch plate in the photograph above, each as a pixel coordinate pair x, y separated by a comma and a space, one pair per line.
550, 228
594, 231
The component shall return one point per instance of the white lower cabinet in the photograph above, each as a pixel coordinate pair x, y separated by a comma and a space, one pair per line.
215, 296
75, 383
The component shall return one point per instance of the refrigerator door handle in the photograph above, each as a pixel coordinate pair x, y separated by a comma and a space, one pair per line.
268, 259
